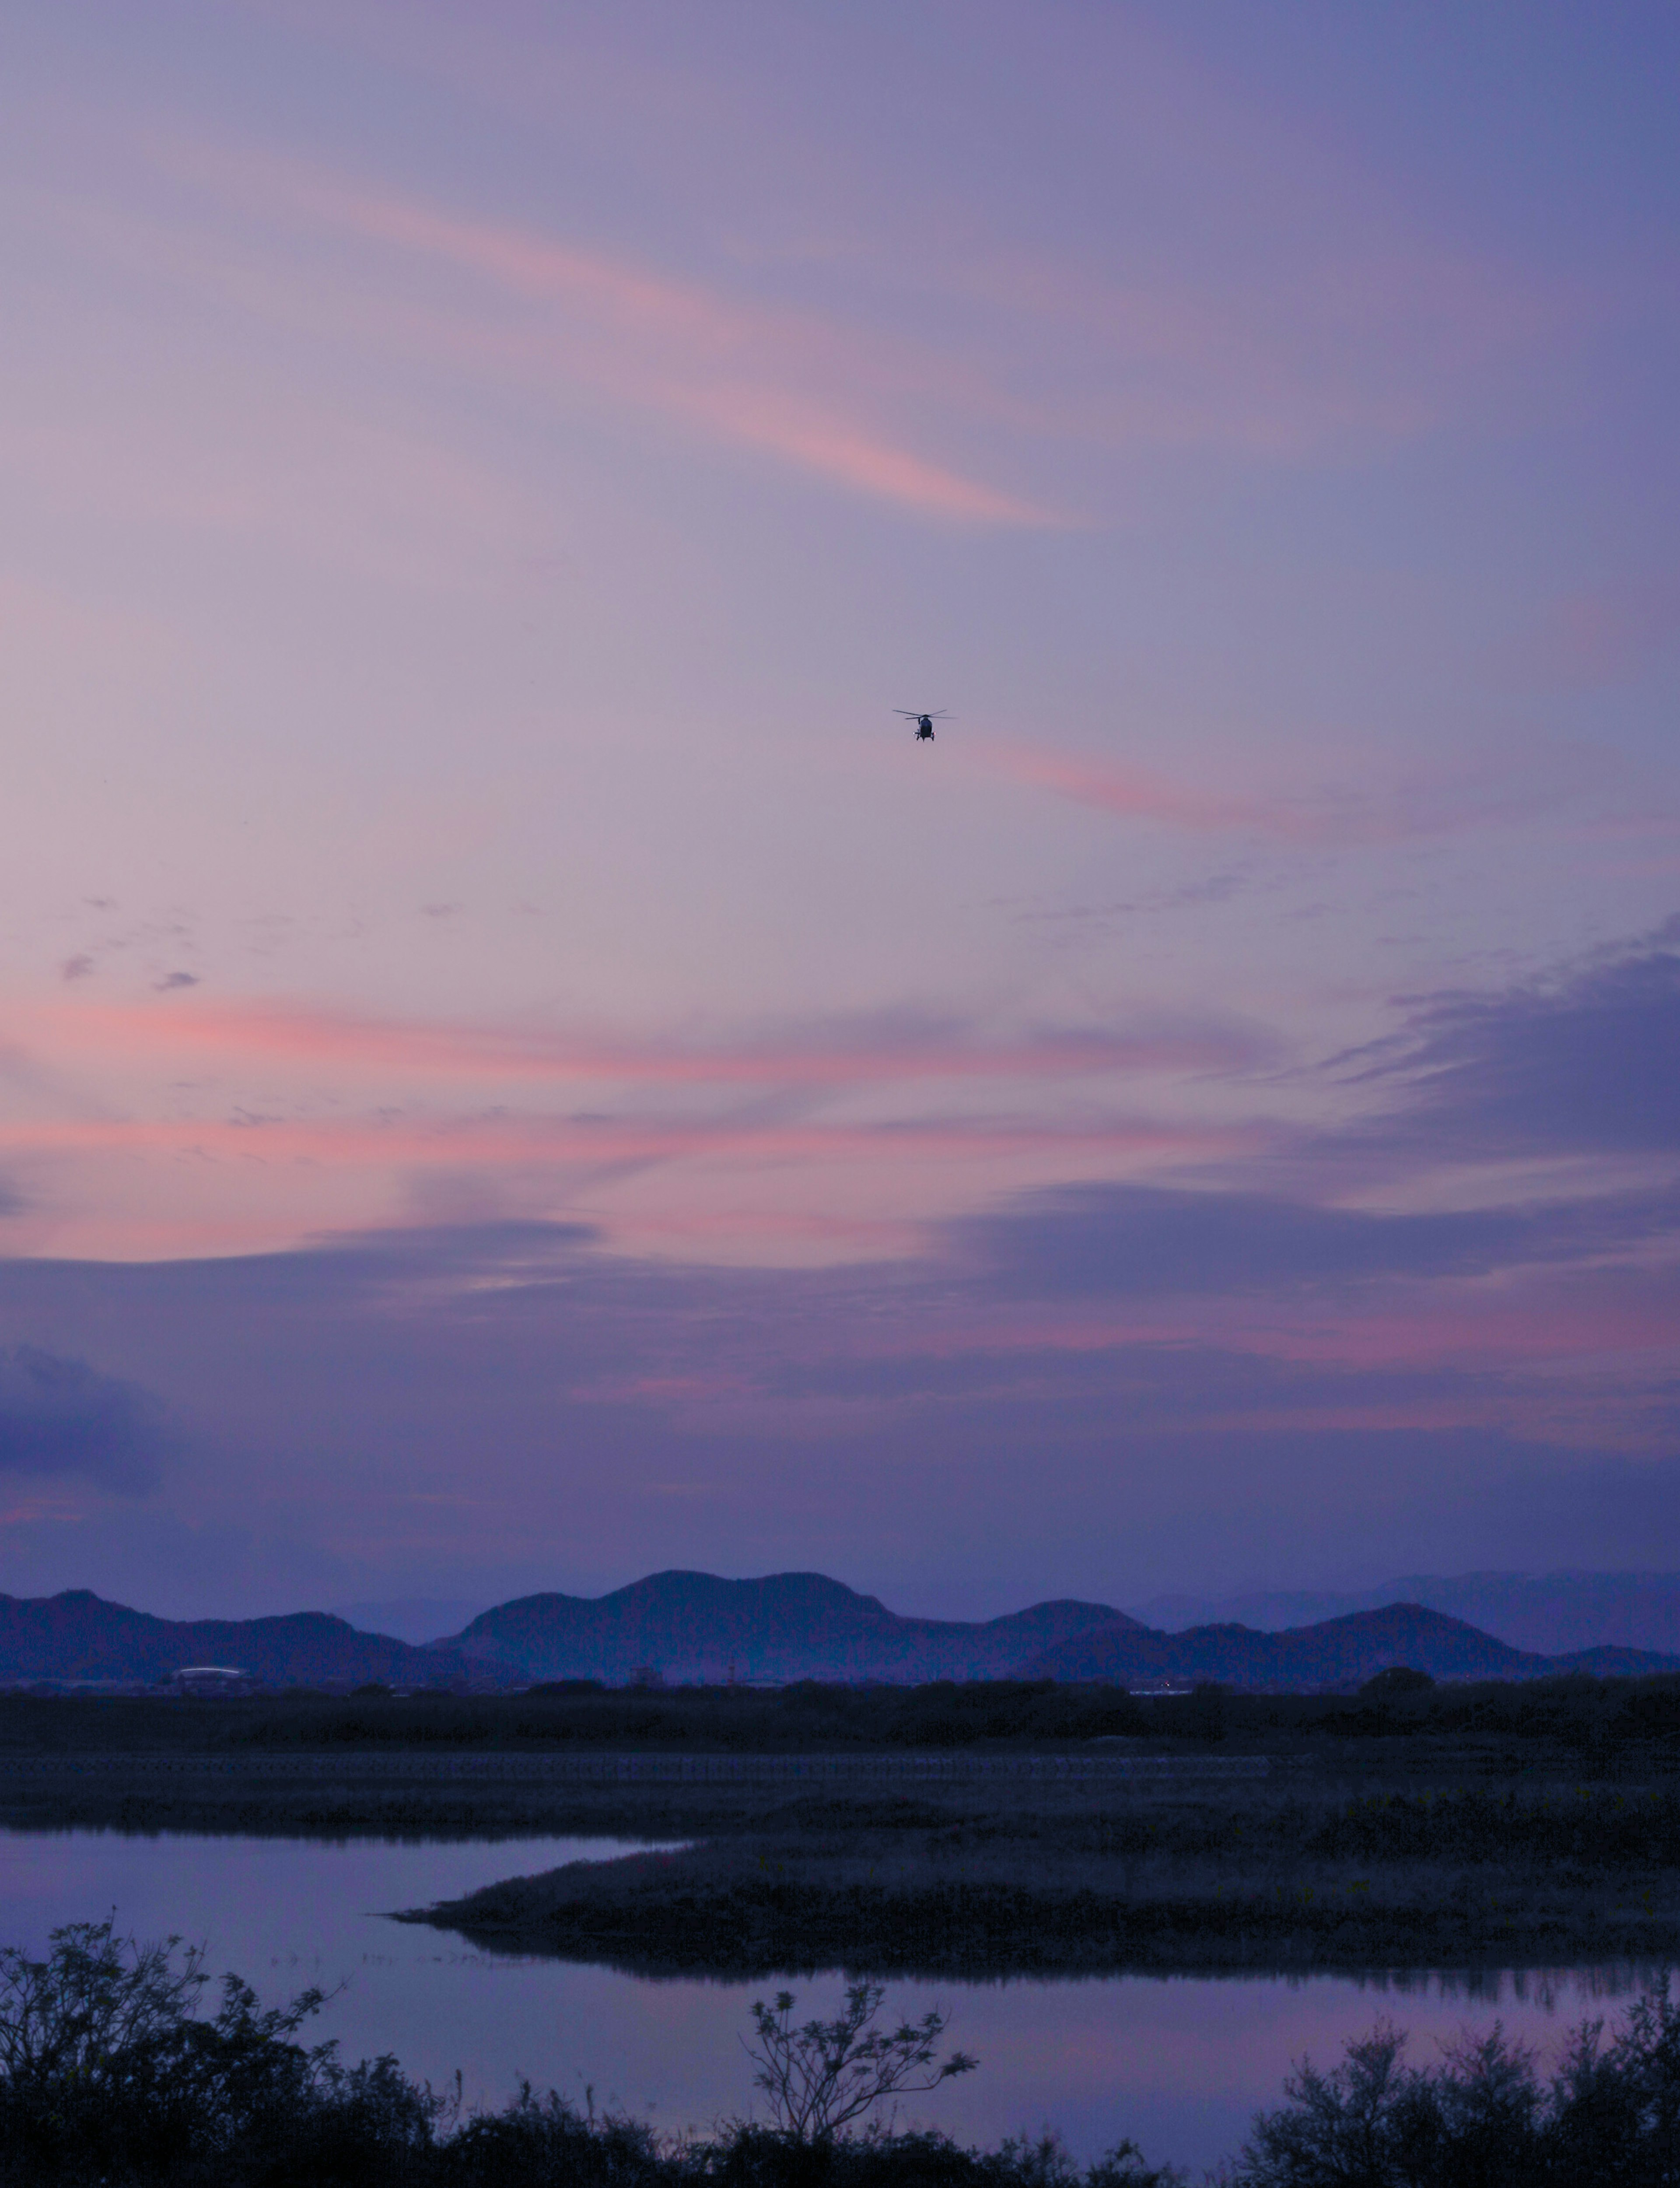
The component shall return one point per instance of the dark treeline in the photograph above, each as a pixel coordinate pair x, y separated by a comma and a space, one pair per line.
111, 2078
1592, 1716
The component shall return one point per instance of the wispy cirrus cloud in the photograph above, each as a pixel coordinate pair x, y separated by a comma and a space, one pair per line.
1324, 817
879, 1050
253, 1123
1333, 318
1137, 793
369, 1142
787, 384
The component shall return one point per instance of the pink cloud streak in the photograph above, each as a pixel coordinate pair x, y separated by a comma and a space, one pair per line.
1133, 793
741, 373
1330, 817
517, 1140
309, 1034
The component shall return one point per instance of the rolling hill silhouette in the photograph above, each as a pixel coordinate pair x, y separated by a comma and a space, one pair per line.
1551, 1614
1336, 1652
686, 1626
78, 1635
789, 1626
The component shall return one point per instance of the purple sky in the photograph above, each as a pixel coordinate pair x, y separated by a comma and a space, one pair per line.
515, 1071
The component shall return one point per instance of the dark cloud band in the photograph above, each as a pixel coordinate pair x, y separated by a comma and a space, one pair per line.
61, 1416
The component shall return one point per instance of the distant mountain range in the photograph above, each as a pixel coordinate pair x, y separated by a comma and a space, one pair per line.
790, 1626
1551, 1614
682, 1626
80, 1636
1339, 1652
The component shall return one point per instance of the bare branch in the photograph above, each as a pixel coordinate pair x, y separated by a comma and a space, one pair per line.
824, 2074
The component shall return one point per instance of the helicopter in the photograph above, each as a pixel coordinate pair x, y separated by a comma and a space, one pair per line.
924, 723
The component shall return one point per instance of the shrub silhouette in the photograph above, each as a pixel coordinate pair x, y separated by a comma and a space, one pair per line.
821, 2076
111, 2078
107, 2074
1483, 2118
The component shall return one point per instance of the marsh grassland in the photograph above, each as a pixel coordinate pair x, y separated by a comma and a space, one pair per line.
960, 1833
1466, 1827
969, 1882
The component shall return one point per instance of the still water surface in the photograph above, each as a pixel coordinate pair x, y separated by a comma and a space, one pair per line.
1179, 2063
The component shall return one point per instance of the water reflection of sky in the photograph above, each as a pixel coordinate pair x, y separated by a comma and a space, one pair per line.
1179, 2063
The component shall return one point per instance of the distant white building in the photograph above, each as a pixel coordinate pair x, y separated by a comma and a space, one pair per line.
209, 1679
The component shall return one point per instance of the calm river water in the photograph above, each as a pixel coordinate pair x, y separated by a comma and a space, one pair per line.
1179, 2063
